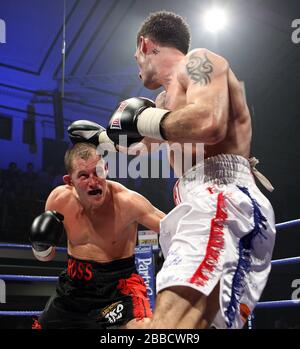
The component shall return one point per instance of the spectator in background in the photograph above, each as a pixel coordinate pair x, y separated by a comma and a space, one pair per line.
29, 182
44, 182
11, 179
12, 189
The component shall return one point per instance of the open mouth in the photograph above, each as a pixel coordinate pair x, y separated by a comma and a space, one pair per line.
95, 192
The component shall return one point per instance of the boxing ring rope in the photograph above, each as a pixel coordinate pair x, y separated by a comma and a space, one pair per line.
20, 313
27, 247
5, 277
288, 224
285, 261
278, 304
31, 278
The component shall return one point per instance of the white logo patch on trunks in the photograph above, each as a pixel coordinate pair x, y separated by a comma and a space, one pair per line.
113, 312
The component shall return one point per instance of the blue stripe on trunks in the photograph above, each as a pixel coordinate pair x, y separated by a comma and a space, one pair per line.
244, 262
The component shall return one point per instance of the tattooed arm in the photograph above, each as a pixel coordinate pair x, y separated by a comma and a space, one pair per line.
204, 117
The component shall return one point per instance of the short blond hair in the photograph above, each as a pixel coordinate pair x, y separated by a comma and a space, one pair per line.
79, 150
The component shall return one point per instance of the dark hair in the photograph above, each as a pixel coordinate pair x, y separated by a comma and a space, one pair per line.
166, 28
79, 150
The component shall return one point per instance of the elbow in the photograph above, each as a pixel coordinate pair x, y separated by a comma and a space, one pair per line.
211, 131
216, 129
215, 135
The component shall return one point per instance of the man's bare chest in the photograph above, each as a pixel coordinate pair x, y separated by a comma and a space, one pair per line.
106, 224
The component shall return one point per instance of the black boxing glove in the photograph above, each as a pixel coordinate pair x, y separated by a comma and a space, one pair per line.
45, 233
89, 132
136, 118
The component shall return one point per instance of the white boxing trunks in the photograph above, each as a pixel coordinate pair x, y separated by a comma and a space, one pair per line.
222, 230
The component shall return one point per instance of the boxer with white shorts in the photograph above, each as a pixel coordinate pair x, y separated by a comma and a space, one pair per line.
218, 241
222, 230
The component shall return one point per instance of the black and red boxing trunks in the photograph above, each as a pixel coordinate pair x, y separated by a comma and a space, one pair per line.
97, 296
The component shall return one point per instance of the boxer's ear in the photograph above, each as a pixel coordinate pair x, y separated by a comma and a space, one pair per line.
67, 179
144, 45
147, 46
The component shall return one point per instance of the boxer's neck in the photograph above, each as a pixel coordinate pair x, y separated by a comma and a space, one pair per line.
167, 60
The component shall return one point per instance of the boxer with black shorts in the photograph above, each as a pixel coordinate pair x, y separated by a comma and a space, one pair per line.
100, 287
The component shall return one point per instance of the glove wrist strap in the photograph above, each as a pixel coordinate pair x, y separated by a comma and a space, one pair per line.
43, 254
148, 123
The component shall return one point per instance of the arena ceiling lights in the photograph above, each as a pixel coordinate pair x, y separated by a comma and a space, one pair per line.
215, 19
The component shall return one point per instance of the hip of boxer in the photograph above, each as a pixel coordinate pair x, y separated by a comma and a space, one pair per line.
97, 295
223, 169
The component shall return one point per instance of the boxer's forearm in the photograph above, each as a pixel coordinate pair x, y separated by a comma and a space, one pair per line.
194, 123
152, 220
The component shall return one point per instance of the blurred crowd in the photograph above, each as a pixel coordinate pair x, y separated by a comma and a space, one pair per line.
22, 196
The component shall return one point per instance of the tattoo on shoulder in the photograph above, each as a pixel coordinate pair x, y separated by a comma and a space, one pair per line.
199, 69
